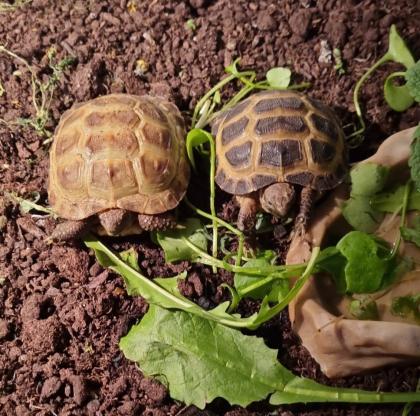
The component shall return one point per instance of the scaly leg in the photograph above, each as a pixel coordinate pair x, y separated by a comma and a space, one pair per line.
307, 198
70, 230
159, 222
248, 207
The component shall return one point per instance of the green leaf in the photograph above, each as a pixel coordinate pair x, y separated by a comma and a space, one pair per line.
279, 77
364, 309
174, 247
398, 97
201, 360
407, 306
131, 257
334, 263
361, 215
412, 234
258, 288
414, 160
392, 201
397, 50
364, 269
164, 293
368, 178
196, 137
412, 77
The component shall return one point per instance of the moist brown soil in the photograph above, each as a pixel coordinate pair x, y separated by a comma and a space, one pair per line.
61, 314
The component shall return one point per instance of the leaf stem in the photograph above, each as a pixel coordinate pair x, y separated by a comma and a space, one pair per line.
357, 88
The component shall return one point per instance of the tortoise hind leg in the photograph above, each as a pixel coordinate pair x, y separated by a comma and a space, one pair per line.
158, 222
307, 198
70, 230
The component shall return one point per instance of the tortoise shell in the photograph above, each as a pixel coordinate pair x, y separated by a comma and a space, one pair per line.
279, 136
118, 151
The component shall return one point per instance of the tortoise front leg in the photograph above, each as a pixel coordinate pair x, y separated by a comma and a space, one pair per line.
248, 207
307, 198
114, 220
70, 230
158, 222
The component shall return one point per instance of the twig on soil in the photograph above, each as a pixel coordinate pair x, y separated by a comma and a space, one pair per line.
42, 92
7, 7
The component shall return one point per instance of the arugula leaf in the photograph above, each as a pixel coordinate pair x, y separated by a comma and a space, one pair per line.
360, 214
279, 77
414, 160
412, 234
392, 201
366, 180
364, 269
202, 360
256, 287
406, 306
173, 245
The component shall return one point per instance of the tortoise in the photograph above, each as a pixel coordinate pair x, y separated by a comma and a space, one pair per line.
118, 166
273, 144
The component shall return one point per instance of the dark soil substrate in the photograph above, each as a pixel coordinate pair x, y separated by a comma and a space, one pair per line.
61, 314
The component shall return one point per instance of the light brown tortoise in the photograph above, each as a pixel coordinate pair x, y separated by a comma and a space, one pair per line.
272, 143
118, 166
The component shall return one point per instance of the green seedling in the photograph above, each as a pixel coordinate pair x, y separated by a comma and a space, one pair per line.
398, 97
190, 25
338, 62
205, 110
42, 92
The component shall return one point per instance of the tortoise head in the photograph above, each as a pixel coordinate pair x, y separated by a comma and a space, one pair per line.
277, 198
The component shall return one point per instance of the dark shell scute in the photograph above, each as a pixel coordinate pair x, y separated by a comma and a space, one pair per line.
293, 124
322, 152
259, 181
230, 114
280, 153
325, 182
325, 126
239, 156
242, 187
303, 178
270, 104
234, 130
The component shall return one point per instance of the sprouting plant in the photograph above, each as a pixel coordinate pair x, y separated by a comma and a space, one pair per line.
7, 7
276, 78
338, 62
399, 98
42, 92
191, 25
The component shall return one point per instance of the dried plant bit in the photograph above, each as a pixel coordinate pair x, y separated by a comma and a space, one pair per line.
42, 92
27, 205
132, 6
142, 66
